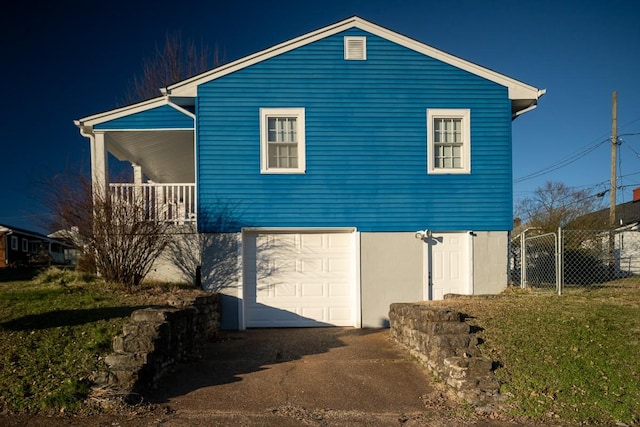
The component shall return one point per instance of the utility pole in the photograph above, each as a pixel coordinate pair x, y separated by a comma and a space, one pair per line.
614, 155
612, 189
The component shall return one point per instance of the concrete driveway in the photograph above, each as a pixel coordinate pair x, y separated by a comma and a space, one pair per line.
316, 376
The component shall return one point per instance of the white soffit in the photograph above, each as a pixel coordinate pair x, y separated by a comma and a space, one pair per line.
517, 89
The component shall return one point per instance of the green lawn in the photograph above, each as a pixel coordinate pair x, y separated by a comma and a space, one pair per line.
54, 332
570, 359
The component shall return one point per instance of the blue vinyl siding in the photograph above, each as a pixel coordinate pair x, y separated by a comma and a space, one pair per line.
165, 117
366, 143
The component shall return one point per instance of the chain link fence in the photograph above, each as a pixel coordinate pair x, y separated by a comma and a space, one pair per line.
572, 260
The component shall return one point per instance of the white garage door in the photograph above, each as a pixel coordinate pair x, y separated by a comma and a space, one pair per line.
298, 279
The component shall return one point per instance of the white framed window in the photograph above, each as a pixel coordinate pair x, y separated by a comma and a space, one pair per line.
355, 48
282, 140
449, 141
25, 245
14, 243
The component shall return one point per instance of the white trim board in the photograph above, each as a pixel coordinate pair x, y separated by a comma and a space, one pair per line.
517, 89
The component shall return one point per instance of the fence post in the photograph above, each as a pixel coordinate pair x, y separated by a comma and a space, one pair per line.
559, 262
523, 261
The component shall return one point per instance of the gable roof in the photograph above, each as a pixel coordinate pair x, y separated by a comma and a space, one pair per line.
626, 214
87, 123
523, 97
4, 228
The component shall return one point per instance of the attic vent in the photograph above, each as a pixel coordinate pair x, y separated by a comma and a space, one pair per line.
355, 48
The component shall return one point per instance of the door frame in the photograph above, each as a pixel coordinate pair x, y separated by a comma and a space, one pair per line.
430, 239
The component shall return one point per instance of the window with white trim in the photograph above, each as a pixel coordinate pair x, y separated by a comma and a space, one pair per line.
282, 140
14, 243
449, 141
25, 245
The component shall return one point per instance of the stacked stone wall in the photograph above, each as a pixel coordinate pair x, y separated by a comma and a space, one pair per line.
440, 339
154, 340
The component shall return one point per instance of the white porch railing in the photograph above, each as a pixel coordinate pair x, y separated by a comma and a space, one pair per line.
174, 203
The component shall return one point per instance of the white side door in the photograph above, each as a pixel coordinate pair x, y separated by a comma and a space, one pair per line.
448, 268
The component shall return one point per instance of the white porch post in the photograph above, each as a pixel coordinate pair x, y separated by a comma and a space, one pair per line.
99, 165
137, 181
137, 174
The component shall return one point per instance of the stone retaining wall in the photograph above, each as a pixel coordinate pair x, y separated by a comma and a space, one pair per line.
440, 339
154, 340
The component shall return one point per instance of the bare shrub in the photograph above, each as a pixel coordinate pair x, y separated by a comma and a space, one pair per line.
117, 234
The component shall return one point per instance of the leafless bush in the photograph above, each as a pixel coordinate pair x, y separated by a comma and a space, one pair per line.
117, 234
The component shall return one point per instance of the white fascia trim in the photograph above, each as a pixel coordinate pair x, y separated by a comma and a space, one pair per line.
106, 116
143, 130
517, 89
90, 121
283, 230
180, 109
189, 87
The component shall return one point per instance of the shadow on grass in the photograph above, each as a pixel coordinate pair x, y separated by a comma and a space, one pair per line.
18, 274
53, 319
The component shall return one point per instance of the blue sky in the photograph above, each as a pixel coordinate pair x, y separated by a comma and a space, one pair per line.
67, 60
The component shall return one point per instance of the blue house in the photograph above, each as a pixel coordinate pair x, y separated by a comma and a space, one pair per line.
330, 175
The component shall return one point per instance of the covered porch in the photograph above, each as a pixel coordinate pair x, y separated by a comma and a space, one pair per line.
157, 139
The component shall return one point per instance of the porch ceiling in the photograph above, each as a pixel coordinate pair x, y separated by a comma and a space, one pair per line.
166, 156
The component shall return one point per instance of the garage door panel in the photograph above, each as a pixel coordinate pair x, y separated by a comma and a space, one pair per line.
312, 290
337, 313
338, 265
310, 282
339, 289
311, 266
339, 241
317, 312
285, 290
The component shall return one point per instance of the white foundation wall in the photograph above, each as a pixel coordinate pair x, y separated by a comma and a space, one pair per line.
490, 262
391, 270
222, 273
179, 260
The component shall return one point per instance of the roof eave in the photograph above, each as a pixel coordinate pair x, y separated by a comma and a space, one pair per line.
86, 124
517, 90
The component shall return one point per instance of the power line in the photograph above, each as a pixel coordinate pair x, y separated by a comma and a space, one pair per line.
562, 163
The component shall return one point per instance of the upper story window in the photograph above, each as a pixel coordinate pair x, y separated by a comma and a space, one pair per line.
449, 141
282, 140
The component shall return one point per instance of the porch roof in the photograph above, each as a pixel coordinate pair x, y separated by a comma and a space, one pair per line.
164, 155
163, 148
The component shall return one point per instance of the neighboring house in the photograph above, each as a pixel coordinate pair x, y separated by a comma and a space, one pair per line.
627, 233
20, 248
317, 162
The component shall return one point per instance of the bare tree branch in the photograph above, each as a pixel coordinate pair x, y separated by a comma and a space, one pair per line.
175, 61
554, 205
